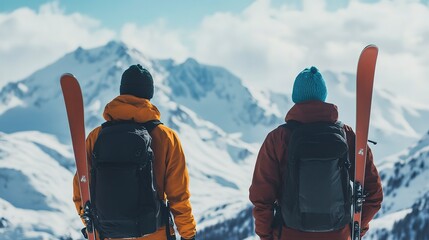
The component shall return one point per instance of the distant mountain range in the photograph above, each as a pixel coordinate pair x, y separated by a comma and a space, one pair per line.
220, 121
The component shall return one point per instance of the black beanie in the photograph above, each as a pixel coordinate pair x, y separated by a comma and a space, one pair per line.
137, 81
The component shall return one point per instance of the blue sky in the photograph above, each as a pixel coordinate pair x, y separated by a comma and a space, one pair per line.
266, 43
183, 13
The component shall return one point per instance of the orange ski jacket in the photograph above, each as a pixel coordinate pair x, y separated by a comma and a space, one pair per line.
271, 163
171, 174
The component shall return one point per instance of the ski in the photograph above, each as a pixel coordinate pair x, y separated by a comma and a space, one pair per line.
74, 105
364, 87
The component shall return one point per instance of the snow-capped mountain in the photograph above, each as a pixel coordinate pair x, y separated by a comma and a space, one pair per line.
405, 209
212, 92
400, 177
220, 122
35, 180
219, 162
233, 107
395, 124
415, 225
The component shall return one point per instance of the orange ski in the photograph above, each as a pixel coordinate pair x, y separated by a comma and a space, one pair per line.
74, 106
364, 87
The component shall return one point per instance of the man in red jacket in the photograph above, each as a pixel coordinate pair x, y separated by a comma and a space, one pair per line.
309, 94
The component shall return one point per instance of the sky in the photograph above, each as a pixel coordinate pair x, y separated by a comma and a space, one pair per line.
265, 43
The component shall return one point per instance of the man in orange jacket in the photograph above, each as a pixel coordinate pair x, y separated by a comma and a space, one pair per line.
309, 94
170, 172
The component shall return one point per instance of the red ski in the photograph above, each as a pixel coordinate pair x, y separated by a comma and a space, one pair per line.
74, 105
364, 86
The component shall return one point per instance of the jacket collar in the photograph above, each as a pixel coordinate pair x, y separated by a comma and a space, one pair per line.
128, 107
313, 111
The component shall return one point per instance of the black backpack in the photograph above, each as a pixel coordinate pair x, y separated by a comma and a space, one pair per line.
316, 193
125, 203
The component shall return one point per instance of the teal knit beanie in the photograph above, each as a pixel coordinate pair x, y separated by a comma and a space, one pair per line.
309, 85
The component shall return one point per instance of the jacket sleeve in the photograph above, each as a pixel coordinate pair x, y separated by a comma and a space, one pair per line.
76, 195
374, 191
89, 144
177, 188
372, 184
264, 189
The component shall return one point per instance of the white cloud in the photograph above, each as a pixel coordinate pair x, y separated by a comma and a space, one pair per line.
155, 40
31, 39
268, 46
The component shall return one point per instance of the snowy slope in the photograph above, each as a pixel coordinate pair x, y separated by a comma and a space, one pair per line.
218, 165
408, 176
414, 225
37, 166
396, 123
405, 208
35, 181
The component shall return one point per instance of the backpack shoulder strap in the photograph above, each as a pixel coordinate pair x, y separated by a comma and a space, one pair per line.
340, 124
113, 123
342, 128
150, 125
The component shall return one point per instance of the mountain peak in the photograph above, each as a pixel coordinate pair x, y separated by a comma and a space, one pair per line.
117, 48
191, 62
116, 44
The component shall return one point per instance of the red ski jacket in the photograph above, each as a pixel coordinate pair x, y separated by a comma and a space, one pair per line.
271, 163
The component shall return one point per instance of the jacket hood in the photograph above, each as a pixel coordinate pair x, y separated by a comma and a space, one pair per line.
313, 111
128, 107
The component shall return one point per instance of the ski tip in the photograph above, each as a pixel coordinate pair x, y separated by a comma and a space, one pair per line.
67, 79
371, 50
67, 75
371, 46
